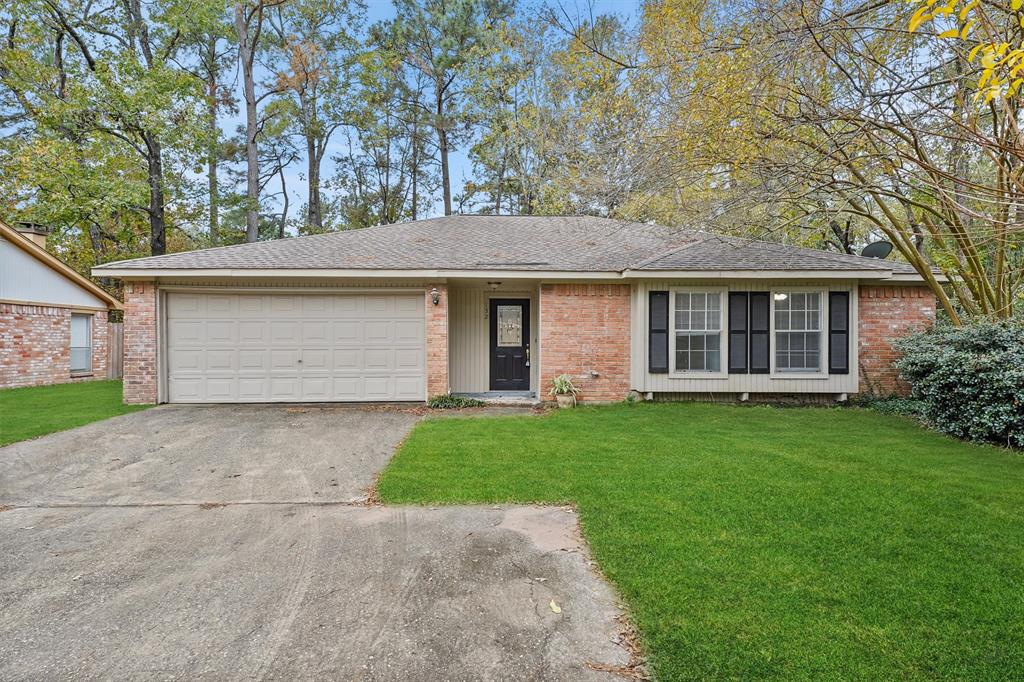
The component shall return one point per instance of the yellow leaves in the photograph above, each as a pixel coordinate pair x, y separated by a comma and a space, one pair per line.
920, 16
950, 33
1015, 5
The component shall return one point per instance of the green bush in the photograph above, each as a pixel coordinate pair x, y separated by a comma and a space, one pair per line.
969, 380
448, 401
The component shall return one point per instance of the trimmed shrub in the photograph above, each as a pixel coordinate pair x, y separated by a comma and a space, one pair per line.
969, 380
447, 401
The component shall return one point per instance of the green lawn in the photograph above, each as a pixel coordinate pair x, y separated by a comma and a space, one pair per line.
759, 542
30, 412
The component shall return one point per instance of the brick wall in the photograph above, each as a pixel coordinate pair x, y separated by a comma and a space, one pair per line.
35, 345
437, 341
585, 328
885, 314
140, 362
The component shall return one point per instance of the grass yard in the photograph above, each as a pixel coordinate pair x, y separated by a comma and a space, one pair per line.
29, 412
760, 542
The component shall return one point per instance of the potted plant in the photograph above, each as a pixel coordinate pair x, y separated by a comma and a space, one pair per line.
564, 390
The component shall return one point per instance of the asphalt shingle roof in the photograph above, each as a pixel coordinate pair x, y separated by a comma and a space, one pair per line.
538, 243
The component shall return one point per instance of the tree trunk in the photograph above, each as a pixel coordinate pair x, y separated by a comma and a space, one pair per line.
415, 168
284, 208
252, 177
442, 148
314, 209
154, 161
212, 154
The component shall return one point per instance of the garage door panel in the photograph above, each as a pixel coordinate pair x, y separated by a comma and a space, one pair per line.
408, 388
186, 360
221, 333
378, 331
253, 389
314, 359
282, 332
253, 333
252, 306
220, 305
409, 306
284, 359
409, 359
220, 389
348, 332
281, 305
295, 347
409, 331
347, 359
378, 359
221, 361
377, 387
187, 332
284, 388
253, 360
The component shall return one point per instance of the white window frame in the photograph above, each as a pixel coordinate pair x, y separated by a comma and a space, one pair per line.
722, 373
822, 371
86, 371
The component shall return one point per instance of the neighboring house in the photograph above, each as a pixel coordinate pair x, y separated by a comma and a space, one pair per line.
501, 305
53, 321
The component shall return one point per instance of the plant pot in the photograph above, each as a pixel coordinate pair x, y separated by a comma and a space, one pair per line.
565, 400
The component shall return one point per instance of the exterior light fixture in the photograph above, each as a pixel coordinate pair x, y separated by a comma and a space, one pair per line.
494, 285
435, 295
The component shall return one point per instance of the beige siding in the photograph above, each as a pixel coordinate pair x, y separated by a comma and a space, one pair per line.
27, 280
469, 334
644, 381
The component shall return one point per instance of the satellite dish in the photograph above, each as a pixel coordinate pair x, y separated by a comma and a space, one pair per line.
877, 250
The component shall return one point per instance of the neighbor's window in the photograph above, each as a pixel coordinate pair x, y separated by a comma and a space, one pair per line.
798, 331
698, 330
81, 343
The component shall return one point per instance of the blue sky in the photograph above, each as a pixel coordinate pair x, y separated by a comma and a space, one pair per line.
461, 168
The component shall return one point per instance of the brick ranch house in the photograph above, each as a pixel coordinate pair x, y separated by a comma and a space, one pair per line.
53, 321
498, 306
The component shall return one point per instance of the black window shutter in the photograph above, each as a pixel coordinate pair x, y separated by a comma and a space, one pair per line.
657, 348
738, 325
760, 332
838, 332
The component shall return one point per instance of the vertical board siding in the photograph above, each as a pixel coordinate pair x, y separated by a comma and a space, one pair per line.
469, 335
737, 383
115, 350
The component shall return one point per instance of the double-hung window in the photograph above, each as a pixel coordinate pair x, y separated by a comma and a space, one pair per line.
698, 331
798, 316
81, 343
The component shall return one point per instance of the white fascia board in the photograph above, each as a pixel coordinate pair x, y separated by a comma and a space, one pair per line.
758, 274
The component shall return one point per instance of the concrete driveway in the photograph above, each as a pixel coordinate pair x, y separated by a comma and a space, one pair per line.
231, 543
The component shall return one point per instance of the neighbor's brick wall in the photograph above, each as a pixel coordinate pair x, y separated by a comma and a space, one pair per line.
885, 314
437, 341
140, 366
35, 345
584, 328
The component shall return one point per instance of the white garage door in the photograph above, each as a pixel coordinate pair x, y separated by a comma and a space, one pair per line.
294, 347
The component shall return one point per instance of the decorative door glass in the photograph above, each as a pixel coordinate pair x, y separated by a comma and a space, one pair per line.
510, 326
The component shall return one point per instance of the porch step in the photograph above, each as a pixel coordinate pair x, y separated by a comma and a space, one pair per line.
509, 398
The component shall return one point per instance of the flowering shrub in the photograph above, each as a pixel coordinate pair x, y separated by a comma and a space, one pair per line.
969, 380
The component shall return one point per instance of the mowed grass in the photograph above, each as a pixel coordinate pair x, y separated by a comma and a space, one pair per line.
30, 412
760, 542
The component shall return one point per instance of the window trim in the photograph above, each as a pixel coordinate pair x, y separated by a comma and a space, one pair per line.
723, 365
822, 371
89, 322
